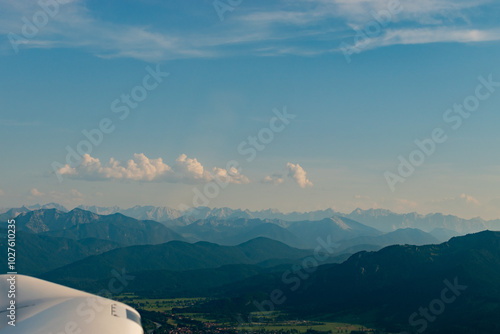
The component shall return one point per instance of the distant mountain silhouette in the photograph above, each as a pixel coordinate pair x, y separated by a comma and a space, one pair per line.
408, 236
380, 219
79, 224
337, 228
238, 230
149, 212
387, 221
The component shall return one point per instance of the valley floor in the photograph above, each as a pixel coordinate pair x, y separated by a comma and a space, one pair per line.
173, 316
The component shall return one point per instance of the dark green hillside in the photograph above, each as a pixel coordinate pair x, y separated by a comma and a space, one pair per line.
388, 286
174, 256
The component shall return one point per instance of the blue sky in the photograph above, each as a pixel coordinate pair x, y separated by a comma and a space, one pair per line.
353, 118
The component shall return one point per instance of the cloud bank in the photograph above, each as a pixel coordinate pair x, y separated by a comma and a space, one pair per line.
141, 168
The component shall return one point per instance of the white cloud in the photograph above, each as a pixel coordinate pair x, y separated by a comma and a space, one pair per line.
191, 169
231, 176
141, 168
71, 197
275, 179
451, 204
469, 199
293, 171
36, 193
299, 175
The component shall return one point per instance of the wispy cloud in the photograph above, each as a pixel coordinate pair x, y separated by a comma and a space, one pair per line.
430, 35
421, 12
274, 179
75, 26
275, 29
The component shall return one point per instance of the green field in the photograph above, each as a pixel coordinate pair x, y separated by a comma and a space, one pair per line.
267, 321
159, 305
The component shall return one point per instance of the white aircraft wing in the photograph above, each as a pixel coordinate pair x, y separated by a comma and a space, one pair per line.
42, 307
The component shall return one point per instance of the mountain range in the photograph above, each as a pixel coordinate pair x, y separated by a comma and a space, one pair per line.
301, 234
380, 267
346, 234
79, 224
385, 220
380, 219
